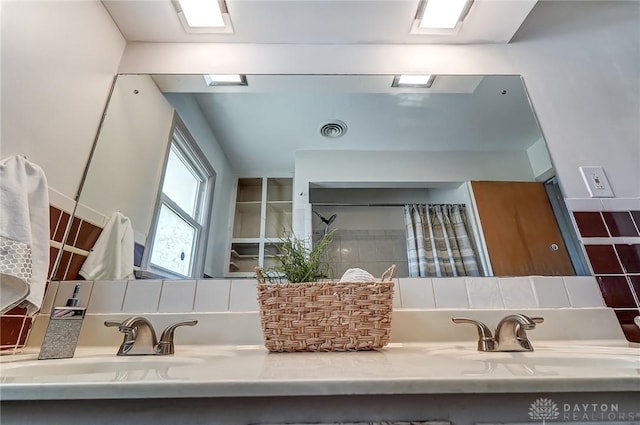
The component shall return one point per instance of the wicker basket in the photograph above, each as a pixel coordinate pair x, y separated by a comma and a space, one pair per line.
326, 316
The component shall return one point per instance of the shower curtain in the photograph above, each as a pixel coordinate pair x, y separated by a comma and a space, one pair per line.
438, 241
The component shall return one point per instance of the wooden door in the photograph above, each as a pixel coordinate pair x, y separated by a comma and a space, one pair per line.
520, 229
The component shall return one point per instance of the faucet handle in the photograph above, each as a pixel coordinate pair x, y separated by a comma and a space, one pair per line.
112, 323
166, 345
486, 342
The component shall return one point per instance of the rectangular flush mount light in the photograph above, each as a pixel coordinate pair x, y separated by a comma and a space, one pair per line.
225, 80
440, 17
203, 16
420, 81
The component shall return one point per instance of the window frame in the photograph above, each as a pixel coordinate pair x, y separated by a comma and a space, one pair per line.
183, 142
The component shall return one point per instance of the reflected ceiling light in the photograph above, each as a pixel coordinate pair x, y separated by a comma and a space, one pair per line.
203, 16
423, 81
225, 79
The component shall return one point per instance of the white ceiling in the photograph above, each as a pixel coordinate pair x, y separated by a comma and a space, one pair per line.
261, 126
261, 129
319, 22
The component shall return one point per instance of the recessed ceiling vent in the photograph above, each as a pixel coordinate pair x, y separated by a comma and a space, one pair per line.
333, 129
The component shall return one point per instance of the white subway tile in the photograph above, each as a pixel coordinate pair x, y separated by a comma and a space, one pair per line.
65, 291
212, 295
584, 204
621, 204
397, 294
484, 292
142, 296
177, 296
550, 292
417, 292
450, 292
244, 295
107, 296
583, 291
517, 292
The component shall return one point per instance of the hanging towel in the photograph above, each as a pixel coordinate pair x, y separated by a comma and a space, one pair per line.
111, 257
24, 234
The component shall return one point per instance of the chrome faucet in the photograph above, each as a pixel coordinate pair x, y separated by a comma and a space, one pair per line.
510, 333
140, 337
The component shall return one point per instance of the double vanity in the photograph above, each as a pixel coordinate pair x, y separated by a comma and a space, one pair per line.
433, 370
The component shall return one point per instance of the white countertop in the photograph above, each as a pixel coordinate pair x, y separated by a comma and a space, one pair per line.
251, 371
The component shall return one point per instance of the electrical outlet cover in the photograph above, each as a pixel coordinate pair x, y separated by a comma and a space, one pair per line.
596, 181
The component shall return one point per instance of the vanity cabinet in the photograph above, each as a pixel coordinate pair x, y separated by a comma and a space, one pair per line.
262, 215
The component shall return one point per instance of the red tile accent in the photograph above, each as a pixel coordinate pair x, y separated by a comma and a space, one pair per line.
635, 284
616, 291
620, 223
629, 257
87, 236
53, 254
636, 218
26, 327
62, 227
62, 267
627, 315
11, 327
631, 331
590, 224
74, 267
16, 311
54, 216
73, 231
603, 259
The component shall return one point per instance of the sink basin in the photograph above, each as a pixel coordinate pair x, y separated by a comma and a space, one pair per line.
561, 359
554, 356
92, 365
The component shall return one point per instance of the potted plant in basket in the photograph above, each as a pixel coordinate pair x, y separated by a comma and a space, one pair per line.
301, 310
297, 262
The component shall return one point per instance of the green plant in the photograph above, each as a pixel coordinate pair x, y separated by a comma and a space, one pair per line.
297, 262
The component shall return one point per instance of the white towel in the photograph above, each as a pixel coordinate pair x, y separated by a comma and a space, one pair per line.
24, 234
111, 257
357, 275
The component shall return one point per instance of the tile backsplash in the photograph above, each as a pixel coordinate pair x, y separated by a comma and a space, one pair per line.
610, 232
240, 295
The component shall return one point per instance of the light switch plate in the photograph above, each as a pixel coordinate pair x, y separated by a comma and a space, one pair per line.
596, 182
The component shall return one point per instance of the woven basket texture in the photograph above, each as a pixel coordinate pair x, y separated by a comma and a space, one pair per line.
325, 316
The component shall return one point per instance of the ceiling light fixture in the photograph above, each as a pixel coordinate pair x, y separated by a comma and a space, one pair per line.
225, 79
440, 17
443, 14
419, 81
202, 13
203, 16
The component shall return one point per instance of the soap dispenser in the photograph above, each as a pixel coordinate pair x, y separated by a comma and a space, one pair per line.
63, 331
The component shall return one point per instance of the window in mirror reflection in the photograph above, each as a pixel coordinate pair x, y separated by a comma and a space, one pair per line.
182, 214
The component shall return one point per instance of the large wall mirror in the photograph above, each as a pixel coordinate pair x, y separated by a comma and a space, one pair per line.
164, 136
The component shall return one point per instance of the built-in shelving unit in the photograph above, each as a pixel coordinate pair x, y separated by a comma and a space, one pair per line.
262, 216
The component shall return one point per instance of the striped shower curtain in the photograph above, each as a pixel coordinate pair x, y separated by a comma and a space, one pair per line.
438, 241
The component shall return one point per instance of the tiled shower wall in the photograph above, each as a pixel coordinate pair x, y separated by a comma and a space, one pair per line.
370, 250
15, 324
610, 232
371, 238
